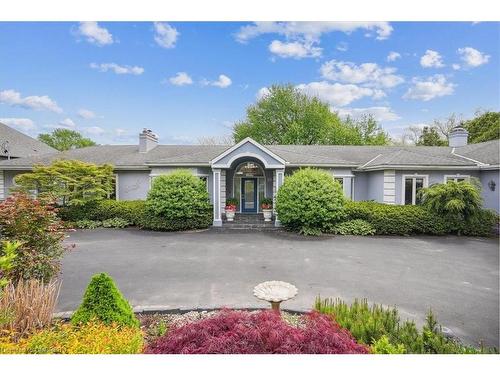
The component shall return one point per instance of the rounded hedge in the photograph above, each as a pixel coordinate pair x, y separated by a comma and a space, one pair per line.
177, 201
310, 201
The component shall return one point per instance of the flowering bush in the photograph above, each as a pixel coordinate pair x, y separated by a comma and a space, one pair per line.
239, 332
266, 203
35, 224
90, 338
231, 204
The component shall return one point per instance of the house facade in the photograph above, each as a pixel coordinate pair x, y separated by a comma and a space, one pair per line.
250, 171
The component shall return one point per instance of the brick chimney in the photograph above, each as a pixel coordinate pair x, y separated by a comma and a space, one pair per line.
147, 140
458, 137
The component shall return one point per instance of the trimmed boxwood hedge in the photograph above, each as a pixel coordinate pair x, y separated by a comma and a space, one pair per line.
407, 220
131, 211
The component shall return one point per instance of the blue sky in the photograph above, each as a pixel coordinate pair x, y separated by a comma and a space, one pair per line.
108, 80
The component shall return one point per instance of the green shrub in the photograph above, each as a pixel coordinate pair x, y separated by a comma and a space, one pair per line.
8, 253
310, 202
383, 346
177, 201
88, 224
481, 224
454, 201
356, 227
131, 211
103, 301
395, 219
382, 328
115, 222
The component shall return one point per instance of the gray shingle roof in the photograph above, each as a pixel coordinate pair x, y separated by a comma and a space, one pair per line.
128, 156
21, 145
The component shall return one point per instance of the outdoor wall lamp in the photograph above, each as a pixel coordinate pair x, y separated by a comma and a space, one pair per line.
492, 185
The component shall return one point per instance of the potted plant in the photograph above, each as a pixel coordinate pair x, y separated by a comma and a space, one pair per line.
267, 208
231, 204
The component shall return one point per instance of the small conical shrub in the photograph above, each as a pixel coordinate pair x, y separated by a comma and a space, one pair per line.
104, 302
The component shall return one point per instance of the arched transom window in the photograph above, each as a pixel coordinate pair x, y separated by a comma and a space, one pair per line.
249, 169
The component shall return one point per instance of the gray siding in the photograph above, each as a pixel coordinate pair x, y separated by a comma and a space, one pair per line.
491, 198
375, 187
8, 177
133, 185
360, 186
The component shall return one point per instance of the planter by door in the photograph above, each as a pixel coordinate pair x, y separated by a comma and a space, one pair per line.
249, 195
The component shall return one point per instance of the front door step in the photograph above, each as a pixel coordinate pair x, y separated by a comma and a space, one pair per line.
248, 221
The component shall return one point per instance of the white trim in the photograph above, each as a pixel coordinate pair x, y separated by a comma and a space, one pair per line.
414, 189
369, 161
214, 161
389, 196
422, 167
466, 158
216, 193
2, 185
117, 188
248, 154
455, 176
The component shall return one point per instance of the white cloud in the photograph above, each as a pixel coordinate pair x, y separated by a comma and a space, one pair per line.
431, 59
86, 114
14, 98
378, 113
165, 35
472, 57
310, 30
338, 94
223, 82
118, 69
67, 123
95, 34
263, 91
455, 66
430, 88
368, 73
94, 130
296, 50
24, 124
181, 79
120, 132
342, 47
393, 56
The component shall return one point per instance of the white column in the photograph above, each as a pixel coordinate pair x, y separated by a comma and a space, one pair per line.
216, 174
278, 181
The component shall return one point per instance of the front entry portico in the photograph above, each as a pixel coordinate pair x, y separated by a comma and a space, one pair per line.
248, 172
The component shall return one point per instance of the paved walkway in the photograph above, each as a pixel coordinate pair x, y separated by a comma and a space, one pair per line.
457, 277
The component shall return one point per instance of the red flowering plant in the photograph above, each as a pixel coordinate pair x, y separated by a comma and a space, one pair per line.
240, 332
266, 204
231, 204
34, 223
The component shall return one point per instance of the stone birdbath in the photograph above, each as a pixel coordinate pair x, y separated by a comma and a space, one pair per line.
275, 292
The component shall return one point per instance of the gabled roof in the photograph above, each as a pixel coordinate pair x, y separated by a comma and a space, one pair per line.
21, 145
361, 157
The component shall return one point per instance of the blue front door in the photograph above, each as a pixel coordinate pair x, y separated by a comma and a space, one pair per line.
248, 195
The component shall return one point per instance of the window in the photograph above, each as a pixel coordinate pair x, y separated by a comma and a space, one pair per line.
340, 180
411, 186
456, 178
204, 179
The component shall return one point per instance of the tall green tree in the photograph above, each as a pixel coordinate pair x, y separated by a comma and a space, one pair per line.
484, 127
71, 181
65, 139
368, 131
430, 137
285, 115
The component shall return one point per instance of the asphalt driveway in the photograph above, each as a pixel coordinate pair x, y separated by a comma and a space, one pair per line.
457, 277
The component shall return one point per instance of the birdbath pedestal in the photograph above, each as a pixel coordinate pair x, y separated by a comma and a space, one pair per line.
275, 292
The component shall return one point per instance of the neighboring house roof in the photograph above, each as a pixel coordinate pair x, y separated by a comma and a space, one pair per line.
20, 145
361, 157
